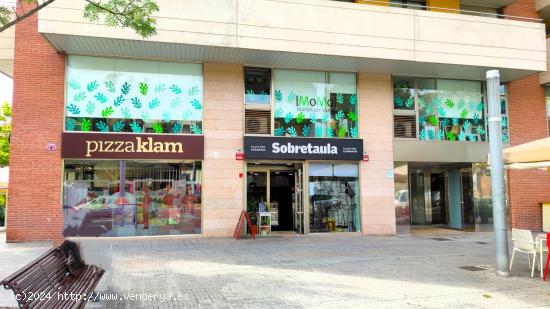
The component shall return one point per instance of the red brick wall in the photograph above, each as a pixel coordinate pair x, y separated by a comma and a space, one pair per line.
527, 112
34, 205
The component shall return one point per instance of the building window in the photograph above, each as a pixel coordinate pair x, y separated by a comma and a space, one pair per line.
119, 95
410, 4
504, 114
257, 84
315, 104
444, 109
157, 199
334, 197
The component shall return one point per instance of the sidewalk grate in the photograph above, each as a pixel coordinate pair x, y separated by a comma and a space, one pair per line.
473, 268
441, 239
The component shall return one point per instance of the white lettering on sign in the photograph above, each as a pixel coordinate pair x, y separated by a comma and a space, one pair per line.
309, 149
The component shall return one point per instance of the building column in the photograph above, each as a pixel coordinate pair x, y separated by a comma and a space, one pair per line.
376, 129
34, 200
223, 190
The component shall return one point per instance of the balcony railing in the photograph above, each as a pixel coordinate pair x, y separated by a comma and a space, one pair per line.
449, 10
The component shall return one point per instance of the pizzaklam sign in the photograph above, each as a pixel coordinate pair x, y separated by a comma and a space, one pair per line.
288, 148
131, 146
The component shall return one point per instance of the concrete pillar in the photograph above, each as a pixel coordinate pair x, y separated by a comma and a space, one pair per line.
223, 196
376, 129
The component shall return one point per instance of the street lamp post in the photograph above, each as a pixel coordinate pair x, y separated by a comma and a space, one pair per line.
497, 173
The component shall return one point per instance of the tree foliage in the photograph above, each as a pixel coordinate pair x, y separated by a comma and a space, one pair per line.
133, 14
5, 131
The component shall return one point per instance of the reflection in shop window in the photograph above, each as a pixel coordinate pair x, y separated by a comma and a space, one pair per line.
334, 197
315, 104
136, 96
158, 198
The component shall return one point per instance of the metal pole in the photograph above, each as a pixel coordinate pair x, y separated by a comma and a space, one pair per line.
497, 173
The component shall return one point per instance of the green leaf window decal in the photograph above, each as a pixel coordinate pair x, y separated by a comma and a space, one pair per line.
440, 135
85, 124
160, 88
73, 109
166, 116
504, 122
292, 131
136, 102
90, 107
432, 119
480, 106
352, 116
410, 102
455, 121
444, 122
176, 128
73, 84
398, 101
449, 103
353, 99
300, 118
91, 87
461, 104
102, 126
119, 126
472, 137
154, 103
101, 97
466, 125
119, 100
464, 113
354, 132
431, 135
305, 130
126, 113
157, 127
125, 89
280, 131
279, 113
342, 132
291, 97
143, 88
110, 86
70, 124
339, 98
196, 104
421, 102
462, 136
480, 130
193, 91
288, 118
175, 102
196, 129
422, 135
476, 119
136, 128
187, 114
107, 112
175, 89
330, 132
278, 95
505, 139
451, 136
441, 111
80, 96
339, 115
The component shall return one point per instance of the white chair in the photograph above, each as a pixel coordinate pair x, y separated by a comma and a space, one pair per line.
523, 242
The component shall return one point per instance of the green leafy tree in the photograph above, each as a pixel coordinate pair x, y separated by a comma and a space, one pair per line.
5, 130
134, 14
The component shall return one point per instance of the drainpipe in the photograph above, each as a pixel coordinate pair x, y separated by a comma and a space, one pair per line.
497, 173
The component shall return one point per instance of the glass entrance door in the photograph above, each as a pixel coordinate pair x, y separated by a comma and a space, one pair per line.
468, 213
298, 205
417, 198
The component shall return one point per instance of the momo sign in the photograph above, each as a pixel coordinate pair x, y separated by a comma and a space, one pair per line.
131, 146
288, 148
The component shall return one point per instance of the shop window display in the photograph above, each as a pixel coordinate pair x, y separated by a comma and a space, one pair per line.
158, 198
135, 96
315, 104
334, 197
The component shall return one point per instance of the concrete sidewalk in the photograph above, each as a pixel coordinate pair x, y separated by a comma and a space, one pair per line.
13, 257
335, 270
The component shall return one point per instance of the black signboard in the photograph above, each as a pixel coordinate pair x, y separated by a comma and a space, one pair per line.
288, 148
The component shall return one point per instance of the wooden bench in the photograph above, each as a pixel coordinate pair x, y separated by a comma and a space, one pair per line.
57, 279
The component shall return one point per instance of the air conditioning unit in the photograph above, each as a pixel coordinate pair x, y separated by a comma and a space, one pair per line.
257, 121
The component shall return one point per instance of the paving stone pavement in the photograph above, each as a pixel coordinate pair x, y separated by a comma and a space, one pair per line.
336, 270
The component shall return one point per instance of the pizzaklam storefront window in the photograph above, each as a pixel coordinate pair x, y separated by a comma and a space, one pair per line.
131, 198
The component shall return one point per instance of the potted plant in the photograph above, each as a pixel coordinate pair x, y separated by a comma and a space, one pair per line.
252, 209
264, 227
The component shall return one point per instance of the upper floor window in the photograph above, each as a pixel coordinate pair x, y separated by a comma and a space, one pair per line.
120, 95
411, 4
315, 104
257, 84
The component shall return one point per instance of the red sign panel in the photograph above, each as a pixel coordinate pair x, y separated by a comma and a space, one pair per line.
76, 145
